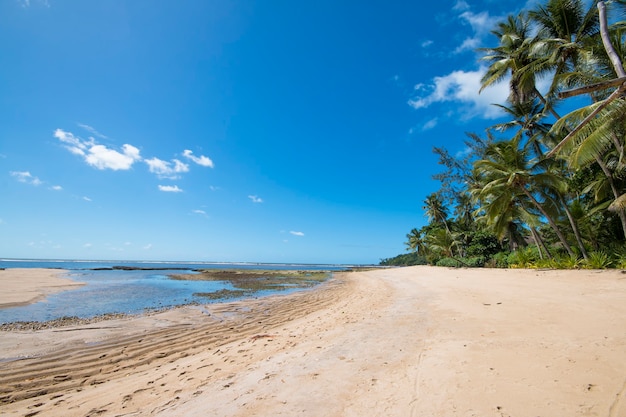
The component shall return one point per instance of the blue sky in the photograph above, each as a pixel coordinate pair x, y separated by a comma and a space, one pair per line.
262, 131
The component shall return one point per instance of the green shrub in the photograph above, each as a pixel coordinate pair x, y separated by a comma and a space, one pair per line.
449, 262
568, 262
483, 244
499, 260
619, 257
475, 261
523, 258
598, 260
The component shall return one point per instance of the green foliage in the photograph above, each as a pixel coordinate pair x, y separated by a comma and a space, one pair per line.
449, 262
523, 258
483, 244
598, 260
475, 261
500, 260
406, 259
556, 182
568, 262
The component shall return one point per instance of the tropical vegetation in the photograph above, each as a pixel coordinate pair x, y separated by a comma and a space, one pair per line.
540, 189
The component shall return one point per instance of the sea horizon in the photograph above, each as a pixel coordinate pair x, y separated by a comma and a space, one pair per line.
8, 262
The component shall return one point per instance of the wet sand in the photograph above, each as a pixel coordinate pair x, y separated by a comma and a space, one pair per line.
22, 286
415, 341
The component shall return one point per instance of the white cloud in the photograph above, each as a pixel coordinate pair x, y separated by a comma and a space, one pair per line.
255, 199
202, 160
462, 87
26, 177
481, 23
200, 212
73, 144
99, 156
296, 233
56, 188
164, 169
170, 188
87, 199
87, 245
426, 43
148, 246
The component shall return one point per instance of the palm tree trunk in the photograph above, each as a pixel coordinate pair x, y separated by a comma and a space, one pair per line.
545, 103
575, 229
621, 213
540, 243
550, 221
606, 41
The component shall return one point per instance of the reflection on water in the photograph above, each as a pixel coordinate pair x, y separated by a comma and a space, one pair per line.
114, 292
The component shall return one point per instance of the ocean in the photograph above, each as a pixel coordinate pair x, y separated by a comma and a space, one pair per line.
143, 286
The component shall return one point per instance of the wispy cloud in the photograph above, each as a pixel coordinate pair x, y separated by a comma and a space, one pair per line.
296, 233
26, 177
461, 87
164, 169
200, 213
56, 188
461, 5
202, 160
87, 199
255, 199
481, 23
430, 124
170, 188
92, 130
27, 3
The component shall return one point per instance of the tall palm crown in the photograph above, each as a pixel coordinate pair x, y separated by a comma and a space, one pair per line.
435, 210
511, 58
566, 40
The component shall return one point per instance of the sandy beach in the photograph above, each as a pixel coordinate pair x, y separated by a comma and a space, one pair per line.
416, 341
22, 286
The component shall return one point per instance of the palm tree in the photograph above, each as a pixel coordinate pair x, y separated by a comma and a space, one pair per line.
443, 242
506, 171
563, 40
464, 211
414, 241
436, 211
511, 58
528, 118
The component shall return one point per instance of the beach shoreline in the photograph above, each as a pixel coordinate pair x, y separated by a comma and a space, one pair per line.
419, 341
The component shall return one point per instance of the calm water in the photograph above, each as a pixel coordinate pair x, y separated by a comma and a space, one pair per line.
115, 291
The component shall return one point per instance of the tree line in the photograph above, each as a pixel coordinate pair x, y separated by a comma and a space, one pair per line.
542, 188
